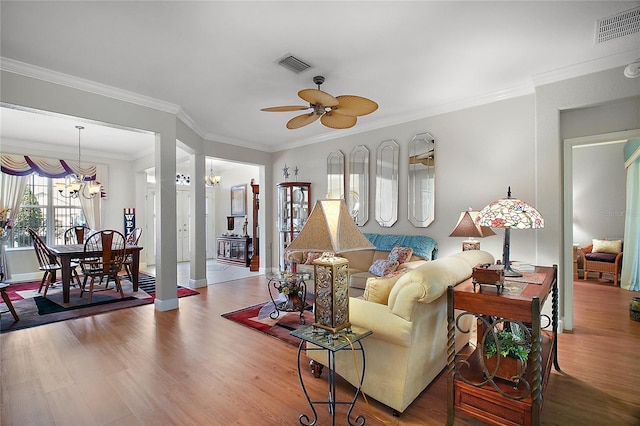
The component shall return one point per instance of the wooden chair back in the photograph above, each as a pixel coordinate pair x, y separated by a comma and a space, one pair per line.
46, 260
76, 234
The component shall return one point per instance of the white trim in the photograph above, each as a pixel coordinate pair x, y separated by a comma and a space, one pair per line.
197, 283
166, 305
73, 82
567, 218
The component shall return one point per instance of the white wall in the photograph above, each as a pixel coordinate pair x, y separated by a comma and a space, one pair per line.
480, 151
599, 192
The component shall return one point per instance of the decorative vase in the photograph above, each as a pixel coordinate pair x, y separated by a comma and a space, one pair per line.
634, 309
509, 369
294, 302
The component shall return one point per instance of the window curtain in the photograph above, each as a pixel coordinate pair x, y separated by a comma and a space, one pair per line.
23, 165
630, 277
11, 194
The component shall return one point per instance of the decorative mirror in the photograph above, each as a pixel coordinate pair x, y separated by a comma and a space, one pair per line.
421, 182
387, 183
335, 175
358, 199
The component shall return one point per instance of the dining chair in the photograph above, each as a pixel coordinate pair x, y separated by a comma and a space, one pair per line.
49, 263
132, 240
76, 234
111, 246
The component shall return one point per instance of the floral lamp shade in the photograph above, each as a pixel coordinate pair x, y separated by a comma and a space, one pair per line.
509, 213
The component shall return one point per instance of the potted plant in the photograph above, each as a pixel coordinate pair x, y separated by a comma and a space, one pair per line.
506, 352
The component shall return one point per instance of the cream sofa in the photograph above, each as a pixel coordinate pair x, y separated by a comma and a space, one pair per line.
424, 249
408, 347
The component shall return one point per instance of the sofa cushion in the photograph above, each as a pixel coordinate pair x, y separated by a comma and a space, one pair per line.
377, 289
382, 267
607, 246
601, 257
400, 254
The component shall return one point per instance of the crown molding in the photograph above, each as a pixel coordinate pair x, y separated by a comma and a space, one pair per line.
589, 67
33, 71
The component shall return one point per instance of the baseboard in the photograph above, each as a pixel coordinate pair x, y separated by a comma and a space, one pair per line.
166, 305
197, 283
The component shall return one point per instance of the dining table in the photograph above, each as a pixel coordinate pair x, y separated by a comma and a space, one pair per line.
66, 252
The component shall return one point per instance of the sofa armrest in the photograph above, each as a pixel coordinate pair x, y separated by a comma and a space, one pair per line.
379, 319
412, 264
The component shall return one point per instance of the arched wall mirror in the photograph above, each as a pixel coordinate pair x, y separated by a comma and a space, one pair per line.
387, 183
335, 175
421, 183
358, 199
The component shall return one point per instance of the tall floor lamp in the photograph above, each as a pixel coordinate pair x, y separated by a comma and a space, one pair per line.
509, 213
330, 229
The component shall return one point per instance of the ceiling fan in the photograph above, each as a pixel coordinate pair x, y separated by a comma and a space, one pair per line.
340, 112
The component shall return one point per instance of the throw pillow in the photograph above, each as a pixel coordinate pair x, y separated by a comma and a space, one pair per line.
400, 254
378, 289
382, 267
311, 257
607, 246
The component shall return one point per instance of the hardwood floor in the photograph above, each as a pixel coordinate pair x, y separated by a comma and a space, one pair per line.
190, 366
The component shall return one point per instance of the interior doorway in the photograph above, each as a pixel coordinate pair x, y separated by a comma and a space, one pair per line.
568, 211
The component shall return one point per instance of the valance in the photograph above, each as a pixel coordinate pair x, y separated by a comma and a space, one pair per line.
23, 165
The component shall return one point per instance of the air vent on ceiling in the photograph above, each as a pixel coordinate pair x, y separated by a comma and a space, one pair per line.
294, 64
619, 25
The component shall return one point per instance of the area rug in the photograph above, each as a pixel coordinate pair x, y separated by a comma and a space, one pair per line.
280, 328
34, 309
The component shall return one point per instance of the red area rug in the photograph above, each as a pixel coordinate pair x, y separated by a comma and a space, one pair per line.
34, 309
280, 327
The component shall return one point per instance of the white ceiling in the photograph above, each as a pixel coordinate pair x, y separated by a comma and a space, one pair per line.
215, 61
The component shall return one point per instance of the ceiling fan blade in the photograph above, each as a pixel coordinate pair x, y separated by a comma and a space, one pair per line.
354, 105
285, 108
337, 121
302, 120
315, 96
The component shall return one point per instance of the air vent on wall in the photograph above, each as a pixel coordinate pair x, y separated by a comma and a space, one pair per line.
619, 25
294, 64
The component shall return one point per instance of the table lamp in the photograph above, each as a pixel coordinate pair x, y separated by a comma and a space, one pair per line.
467, 227
330, 229
509, 213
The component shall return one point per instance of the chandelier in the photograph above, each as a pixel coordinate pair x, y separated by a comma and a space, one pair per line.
211, 179
77, 184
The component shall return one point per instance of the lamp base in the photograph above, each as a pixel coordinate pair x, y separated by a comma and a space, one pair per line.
508, 272
470, 245
332, 330
331, 283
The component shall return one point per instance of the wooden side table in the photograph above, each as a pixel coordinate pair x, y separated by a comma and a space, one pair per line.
476, 389
320, 339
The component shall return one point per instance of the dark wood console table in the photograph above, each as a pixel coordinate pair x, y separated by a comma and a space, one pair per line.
473, 387
234, 250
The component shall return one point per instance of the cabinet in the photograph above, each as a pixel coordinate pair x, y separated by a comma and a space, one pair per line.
473, 387
234, 250
294, 205
255, 206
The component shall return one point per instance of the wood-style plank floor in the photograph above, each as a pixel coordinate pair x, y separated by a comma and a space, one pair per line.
192, 367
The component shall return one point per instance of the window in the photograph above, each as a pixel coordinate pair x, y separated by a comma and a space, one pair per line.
46, 211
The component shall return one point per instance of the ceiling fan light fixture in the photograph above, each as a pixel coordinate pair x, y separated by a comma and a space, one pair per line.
334, 112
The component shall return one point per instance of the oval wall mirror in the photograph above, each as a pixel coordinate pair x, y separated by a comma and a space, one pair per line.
358, 199
335, 175
387, 183
421, 184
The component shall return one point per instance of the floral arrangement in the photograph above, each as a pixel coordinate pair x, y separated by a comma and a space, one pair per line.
5, 222
291, 285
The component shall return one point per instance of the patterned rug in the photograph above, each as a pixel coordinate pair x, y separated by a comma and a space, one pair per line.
279, 327
34, 309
